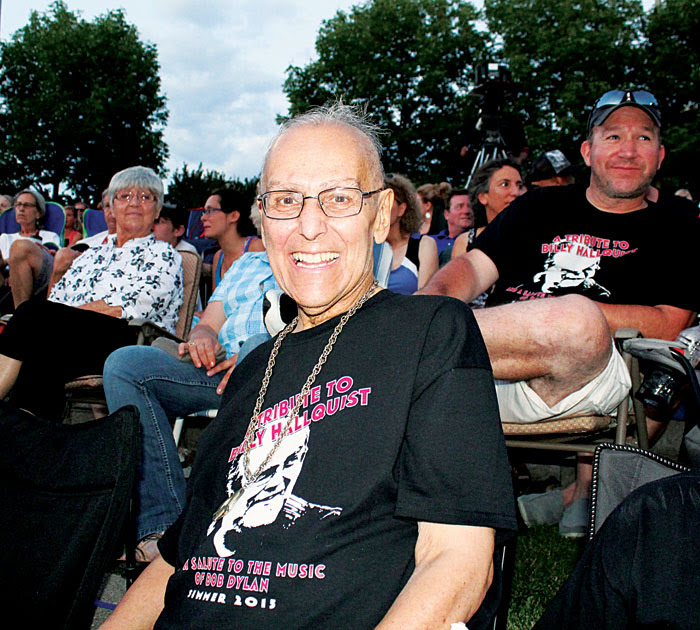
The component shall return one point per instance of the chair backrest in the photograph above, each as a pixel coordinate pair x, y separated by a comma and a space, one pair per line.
93, 222
54, 220
65, 492
191, 272
194, 223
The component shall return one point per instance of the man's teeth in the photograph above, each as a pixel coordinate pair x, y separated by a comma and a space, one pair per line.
314, 258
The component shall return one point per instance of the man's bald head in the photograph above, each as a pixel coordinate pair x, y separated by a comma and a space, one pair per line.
348, 118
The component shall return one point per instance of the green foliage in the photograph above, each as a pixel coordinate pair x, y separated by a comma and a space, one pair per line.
191, 187
80, 101
672, 55
410, 64
563, 55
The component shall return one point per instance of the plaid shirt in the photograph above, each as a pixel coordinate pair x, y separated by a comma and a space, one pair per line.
241, 292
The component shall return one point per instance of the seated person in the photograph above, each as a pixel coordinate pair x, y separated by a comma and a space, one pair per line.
552, 168
405, 219
492, 188
72, 231
30, 260
170, 227
163, 387
434, 248
226, 218
66, 255
570, 266
131, 276
342, 479
5, 203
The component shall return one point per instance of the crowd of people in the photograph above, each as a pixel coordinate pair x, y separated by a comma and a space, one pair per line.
372, 452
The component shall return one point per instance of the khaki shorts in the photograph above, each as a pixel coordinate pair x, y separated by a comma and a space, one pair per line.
518, 402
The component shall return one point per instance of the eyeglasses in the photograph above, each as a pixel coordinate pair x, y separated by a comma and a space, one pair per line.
334, 202
140, 197
208, 211
606, 103
617, 97
20, 204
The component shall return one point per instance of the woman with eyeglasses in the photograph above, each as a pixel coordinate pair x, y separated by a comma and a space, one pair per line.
226, 218
131, 276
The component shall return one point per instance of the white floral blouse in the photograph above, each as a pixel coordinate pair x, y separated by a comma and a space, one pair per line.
143, 277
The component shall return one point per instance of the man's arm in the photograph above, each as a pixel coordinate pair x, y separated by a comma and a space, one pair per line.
454, 569
658, 322
143, 602
465, 277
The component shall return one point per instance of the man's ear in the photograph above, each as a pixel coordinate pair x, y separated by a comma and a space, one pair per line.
382, 220
179, 231
586, 152
662, 155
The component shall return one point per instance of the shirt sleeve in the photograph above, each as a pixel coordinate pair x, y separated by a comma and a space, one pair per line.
157, 293
453, 465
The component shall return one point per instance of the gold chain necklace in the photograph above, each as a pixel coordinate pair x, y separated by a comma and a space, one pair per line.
255, 420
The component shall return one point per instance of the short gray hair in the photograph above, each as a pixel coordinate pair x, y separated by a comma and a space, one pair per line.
337, 113
136, 177
38, 197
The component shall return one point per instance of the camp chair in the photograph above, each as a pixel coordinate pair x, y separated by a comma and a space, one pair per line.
93, 222
66, 491
88, 389
581, 434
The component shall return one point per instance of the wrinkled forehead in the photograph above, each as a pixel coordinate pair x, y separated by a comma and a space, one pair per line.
324, 146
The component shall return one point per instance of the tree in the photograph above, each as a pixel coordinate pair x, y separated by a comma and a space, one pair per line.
80, 100
410, 64
672, 54
191, 187
563, 55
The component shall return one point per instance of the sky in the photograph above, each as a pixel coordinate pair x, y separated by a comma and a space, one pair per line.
222, 64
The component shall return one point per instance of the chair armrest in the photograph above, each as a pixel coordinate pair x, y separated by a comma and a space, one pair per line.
150, 331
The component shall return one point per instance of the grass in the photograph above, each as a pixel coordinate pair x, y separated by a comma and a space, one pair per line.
543, 560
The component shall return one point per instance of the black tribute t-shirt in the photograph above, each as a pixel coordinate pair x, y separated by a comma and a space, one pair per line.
552, 242
401, 426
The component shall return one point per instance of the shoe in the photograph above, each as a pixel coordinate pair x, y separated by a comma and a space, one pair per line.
147, 549
574, 522
545, 508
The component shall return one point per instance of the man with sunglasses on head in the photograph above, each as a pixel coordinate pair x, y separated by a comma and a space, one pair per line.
616, 257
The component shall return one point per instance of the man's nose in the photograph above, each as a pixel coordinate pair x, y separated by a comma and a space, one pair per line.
312, 220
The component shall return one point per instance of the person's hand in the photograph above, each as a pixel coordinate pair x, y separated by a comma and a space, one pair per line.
226, 364
202, 348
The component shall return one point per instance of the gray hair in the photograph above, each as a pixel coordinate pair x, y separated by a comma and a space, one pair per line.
38, 197
337, 113
136, 177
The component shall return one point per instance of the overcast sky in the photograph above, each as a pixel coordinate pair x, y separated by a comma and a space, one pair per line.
222, 67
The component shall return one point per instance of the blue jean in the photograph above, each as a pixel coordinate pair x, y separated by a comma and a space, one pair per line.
161, 387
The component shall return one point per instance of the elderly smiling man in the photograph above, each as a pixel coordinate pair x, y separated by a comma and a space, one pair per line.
342, 484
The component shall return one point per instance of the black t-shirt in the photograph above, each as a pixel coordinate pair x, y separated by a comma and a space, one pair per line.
552, 242
401, 426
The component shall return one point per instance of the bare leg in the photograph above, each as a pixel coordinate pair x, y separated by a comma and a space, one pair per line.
9, 370
26, 259
557, 345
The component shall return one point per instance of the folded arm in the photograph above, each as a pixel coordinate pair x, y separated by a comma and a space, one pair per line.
658, 322
454, 569
465, 277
